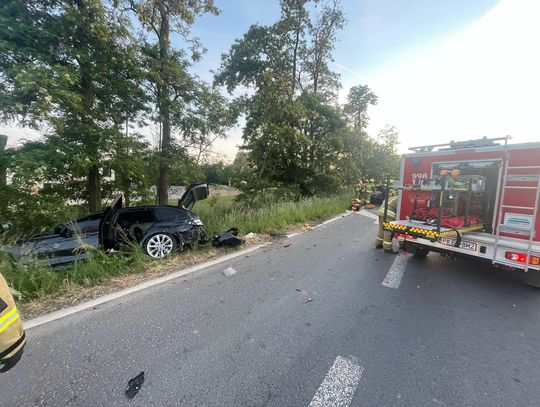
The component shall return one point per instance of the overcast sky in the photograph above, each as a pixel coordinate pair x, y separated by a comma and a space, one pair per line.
443, 69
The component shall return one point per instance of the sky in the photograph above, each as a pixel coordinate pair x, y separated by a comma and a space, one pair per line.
442, 69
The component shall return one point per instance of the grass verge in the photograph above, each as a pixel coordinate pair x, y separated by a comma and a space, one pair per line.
36, 283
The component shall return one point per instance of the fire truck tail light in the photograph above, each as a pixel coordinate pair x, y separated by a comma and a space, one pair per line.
522, 258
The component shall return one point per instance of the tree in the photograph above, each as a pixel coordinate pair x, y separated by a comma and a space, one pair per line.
293, 24
161, 18
358, 101
69, 65
323, 38
292, 135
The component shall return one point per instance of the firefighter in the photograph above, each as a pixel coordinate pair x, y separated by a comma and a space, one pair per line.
11, 329
384, 237
358, 189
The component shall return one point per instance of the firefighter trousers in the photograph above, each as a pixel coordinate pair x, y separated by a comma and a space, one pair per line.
384, 237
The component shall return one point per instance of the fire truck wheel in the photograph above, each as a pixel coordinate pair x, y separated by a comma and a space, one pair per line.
419, 251
532, 278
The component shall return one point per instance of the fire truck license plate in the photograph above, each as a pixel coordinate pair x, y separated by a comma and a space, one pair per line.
464, 245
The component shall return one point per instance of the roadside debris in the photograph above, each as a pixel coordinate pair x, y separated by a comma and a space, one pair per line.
134, 385
309, 300
287, 245
228, 239
229, 271
250, 235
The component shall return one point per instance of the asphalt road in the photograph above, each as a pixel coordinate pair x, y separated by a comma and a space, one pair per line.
310, 324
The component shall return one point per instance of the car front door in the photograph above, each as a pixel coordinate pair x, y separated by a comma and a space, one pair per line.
106, 237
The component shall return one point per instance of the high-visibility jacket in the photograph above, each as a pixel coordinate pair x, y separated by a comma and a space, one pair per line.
12, 338
392, 208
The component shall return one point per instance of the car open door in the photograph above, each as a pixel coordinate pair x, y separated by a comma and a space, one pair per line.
106, 238
195, 192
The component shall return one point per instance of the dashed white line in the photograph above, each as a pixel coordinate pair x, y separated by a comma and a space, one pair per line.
339, 385
395, 274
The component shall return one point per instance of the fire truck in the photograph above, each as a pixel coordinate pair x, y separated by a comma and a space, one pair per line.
477, 198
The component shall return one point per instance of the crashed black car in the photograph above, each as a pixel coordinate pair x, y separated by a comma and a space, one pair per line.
159, 229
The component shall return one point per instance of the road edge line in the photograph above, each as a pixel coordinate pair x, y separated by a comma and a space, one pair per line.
43, 319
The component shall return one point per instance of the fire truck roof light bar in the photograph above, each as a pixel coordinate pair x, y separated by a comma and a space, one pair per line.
483, 142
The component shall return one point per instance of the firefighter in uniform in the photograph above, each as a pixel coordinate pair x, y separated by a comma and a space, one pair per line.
11, 329
384, 237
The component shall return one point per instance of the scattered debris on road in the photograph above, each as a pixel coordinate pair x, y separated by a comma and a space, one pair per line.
134, 385
287, 245
309, 300
229, 271
250, 235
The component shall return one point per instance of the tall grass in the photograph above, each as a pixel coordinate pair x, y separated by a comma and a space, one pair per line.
271, 218
218, 215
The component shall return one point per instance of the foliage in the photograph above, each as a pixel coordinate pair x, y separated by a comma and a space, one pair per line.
358, 101
295, 136
68, 65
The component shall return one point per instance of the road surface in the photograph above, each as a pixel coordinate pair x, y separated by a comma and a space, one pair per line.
321, 319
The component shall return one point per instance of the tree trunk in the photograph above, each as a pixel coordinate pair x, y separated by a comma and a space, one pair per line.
3, 143
295, 53
93, 141
94, 189
164, 106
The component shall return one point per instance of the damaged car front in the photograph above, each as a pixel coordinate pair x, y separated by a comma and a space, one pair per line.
159, 229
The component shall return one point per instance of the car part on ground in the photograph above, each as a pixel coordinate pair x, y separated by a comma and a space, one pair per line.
228, 239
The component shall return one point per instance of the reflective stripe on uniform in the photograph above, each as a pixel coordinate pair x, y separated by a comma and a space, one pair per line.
390, 214
8, 319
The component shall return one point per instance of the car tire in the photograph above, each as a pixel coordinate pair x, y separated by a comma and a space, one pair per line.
159, 245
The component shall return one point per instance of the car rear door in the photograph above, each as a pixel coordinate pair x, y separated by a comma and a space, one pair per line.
195, 192
106, 238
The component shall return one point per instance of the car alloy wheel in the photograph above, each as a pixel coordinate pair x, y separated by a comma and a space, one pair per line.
159, 245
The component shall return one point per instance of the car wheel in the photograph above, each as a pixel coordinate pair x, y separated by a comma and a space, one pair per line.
159, 245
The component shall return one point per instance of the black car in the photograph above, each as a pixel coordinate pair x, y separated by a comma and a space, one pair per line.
159, 229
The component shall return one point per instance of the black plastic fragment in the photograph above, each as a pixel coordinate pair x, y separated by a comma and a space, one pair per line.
134, 385
228, 239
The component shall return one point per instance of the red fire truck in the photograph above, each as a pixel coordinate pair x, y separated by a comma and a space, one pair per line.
477, 198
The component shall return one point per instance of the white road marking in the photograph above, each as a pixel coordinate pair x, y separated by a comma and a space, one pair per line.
369, 215
395, 274
339, 385
326, 222
32, 323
